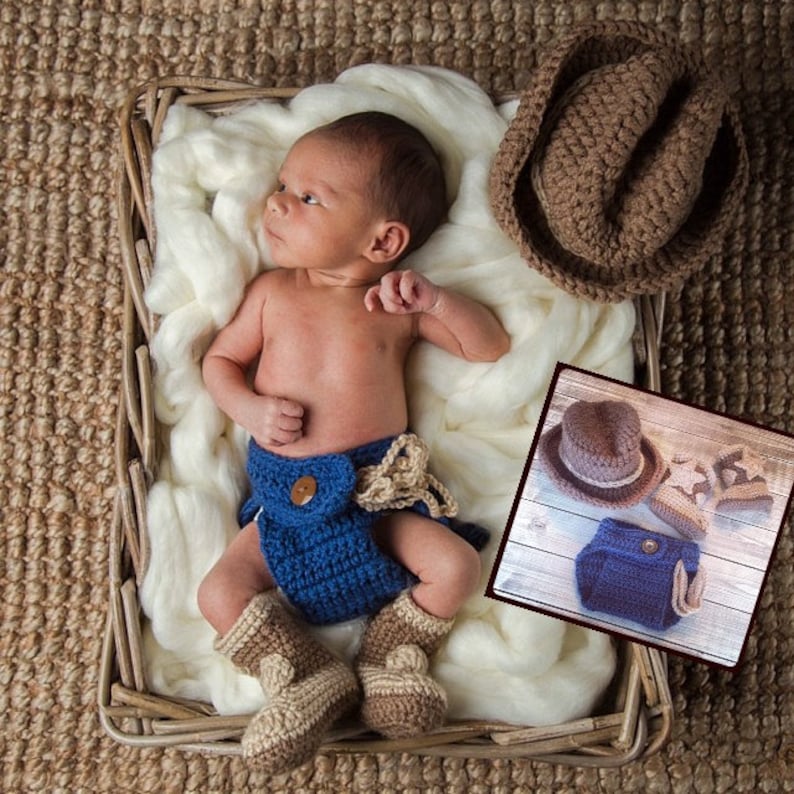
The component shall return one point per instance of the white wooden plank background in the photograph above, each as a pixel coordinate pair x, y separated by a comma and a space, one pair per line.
549, 529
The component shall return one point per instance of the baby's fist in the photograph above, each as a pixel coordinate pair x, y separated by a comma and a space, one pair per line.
277, 421
402, 292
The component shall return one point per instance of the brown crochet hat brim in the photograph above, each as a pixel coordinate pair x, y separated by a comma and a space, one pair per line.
622, 496
518, 208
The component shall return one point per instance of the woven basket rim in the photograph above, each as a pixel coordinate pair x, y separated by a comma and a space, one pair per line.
637, 724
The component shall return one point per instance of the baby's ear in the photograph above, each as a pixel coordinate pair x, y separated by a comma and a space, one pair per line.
388, 243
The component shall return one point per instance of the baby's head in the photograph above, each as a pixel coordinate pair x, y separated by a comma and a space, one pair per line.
407, 180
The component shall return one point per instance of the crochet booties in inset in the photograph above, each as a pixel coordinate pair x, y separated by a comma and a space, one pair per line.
678, 500
741, 473
400, 697
307, 686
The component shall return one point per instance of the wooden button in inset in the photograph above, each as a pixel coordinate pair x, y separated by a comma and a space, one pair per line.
303, 490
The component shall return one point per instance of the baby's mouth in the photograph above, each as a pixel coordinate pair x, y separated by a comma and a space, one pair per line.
272, 235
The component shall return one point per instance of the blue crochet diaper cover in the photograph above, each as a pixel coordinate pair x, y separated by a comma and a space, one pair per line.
639, 575
316, 540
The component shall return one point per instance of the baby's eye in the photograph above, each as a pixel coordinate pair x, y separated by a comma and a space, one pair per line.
281, 187
308, 198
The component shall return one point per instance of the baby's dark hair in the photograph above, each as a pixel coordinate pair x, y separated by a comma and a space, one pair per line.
409, 184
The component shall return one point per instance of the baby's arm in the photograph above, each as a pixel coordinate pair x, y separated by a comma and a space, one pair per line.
453, 322
272, 421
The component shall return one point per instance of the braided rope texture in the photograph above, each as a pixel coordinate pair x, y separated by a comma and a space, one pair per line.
401, 479
64, 70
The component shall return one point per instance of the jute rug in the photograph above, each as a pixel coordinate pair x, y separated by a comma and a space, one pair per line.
64, 70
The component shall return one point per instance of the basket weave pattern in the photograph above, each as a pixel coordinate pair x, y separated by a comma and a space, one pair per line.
634, 721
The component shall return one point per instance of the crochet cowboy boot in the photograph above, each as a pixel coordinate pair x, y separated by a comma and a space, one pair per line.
683, 491
741, 473
307, 686
400, 697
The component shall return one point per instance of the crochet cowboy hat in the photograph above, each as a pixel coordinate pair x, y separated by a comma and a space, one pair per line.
623, 166
598, 454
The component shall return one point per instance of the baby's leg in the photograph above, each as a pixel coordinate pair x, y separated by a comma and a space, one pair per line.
400, 697
307, 687
448, 568
239, 575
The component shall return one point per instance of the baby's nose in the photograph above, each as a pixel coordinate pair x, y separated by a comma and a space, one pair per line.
276, 202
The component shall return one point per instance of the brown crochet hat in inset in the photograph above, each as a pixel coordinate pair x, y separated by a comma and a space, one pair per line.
623, 166
598, 454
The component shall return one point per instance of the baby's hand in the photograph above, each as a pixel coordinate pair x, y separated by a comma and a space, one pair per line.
402, 292
275, 421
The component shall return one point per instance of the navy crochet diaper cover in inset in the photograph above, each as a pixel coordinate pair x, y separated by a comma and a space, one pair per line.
316, 540
643, 576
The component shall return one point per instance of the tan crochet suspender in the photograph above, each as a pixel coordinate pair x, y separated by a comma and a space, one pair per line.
402, 479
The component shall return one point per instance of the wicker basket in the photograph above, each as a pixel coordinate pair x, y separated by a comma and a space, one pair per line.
635, 716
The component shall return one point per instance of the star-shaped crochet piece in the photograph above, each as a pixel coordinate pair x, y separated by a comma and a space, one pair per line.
750, 463
686, 473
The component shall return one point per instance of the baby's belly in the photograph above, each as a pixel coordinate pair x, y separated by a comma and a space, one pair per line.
342, 410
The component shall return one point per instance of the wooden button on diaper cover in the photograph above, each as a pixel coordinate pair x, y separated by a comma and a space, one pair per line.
650, 546
303, 490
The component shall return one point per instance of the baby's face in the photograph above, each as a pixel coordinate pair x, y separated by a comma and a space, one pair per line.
319, 217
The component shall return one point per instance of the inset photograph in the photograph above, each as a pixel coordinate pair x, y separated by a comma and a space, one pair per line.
645, 517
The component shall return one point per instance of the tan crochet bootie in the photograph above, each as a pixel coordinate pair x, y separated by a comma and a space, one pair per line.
307, 686
679, 499
400, 697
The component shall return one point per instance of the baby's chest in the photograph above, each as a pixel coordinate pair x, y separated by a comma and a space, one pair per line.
317, 327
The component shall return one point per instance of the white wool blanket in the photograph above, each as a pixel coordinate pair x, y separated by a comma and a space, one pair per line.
211, 175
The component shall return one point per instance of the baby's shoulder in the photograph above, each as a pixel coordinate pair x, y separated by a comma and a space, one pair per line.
266, 283
273, 276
